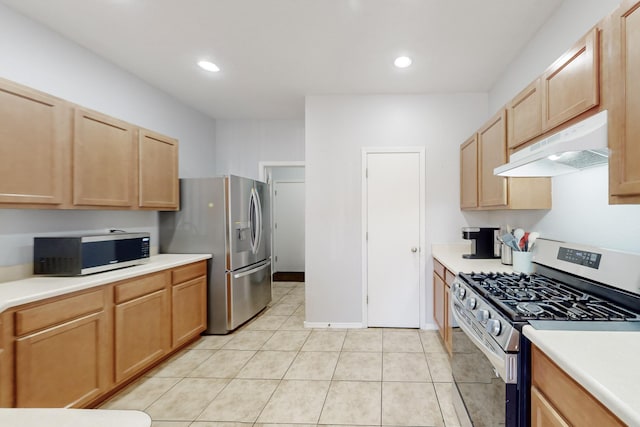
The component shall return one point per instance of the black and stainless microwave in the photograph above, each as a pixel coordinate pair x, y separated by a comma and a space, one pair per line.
86, 254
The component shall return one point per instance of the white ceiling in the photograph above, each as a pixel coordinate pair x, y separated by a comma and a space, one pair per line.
274, 52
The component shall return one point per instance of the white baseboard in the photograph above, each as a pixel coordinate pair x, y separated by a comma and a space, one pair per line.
429, 327
331, 325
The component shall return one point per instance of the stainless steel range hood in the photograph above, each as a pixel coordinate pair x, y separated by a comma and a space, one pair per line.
577, 147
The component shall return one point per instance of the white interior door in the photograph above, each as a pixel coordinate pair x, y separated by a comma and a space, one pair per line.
393, 239
288, 236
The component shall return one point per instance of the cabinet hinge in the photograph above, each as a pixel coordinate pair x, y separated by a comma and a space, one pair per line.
366, 173
275, 225
366, 236
276, 258
275, 193
367, 299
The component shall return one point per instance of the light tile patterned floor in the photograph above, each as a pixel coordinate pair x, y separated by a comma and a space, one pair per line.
275, 373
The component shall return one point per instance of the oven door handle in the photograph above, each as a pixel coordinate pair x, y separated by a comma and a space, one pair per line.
504, 363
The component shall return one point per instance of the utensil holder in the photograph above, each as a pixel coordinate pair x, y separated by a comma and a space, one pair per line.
522, 262
506, 257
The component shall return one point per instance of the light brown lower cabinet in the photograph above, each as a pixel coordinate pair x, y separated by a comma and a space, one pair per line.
442, 280
141, 324
543, 414
189, 317
558, 400
6, 364
73, 350
189, 286
65, 365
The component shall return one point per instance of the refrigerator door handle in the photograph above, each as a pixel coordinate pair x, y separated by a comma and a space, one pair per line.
259, 219
262, 266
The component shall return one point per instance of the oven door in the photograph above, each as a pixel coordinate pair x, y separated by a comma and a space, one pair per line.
482, 398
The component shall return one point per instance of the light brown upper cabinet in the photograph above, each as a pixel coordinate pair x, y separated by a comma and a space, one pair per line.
34, 146
492, 152
524, 115
469, 173
570, 86
158, 171
104, 160
58, 155
622, 43
481, 189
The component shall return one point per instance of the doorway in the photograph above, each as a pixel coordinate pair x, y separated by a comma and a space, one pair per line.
393, 237
286, 208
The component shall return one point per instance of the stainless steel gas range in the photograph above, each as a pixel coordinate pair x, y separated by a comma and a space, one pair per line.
574, 287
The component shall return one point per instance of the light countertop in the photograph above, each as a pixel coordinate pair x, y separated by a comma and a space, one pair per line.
38, 288
605, 363
450, 255
72, 418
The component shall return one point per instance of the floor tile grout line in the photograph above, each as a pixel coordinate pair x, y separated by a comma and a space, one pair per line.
299, 351
279, 382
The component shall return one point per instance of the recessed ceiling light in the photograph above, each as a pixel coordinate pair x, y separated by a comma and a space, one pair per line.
209, 66
402, 62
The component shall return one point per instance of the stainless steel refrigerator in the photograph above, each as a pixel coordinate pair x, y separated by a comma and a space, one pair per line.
228, 218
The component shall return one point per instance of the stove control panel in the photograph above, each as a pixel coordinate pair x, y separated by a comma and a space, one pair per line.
575, 256
482, 319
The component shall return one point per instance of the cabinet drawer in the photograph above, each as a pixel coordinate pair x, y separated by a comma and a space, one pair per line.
188, 272
438, 268
59, 311
138, 287
449, 277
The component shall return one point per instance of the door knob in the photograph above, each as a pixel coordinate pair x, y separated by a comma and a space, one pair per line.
414, 249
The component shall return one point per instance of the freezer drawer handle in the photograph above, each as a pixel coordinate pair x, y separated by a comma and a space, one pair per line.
253, 270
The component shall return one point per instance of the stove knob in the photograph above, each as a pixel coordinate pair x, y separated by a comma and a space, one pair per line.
461, 293
456, 285
494, 327
482, 316
471, 304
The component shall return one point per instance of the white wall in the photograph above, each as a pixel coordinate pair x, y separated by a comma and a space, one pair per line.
336, 129
581, 212
242, 144
37, 57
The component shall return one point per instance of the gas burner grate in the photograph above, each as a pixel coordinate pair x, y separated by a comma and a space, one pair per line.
536, 297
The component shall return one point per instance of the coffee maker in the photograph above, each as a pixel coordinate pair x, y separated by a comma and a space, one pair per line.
484, 242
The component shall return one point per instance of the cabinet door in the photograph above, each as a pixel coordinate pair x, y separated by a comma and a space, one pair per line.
189, 310
543, 414
34, 146
158, 171
439, 304
448, 337
524, 114
6, 373
104, 160
141, 332
63, 366
469, 173
492, 148
571, 85
570, 399
623, 43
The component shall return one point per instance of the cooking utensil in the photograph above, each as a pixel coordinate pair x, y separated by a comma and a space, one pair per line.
518, 233
533, 236
524, 242
509, 240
